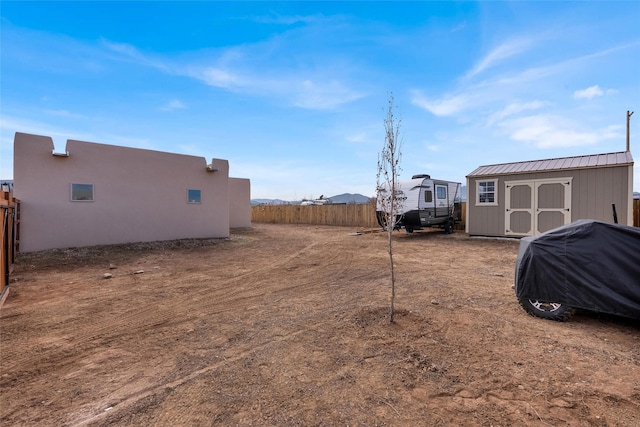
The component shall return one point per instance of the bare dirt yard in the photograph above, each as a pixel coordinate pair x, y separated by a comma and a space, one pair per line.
286, 325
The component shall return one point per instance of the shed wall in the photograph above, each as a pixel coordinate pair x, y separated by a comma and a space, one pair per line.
139, 195
593, 192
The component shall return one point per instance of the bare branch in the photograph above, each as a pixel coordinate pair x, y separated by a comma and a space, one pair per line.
389, 193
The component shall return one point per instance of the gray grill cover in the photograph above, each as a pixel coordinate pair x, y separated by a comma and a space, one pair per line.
587, 264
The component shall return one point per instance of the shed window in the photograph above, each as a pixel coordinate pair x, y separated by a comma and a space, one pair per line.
82, 192
194, 196
487, 193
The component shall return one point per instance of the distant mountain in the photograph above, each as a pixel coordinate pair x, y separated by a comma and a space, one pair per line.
340, 198
269, 202
350, 198
636, 195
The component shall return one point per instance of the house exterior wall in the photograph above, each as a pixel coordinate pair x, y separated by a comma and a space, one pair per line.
239, 203
593, 191
139, 195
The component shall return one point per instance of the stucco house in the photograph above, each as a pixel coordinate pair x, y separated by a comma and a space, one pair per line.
96, 194
528, 198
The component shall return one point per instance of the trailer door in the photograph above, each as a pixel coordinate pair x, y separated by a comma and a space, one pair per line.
442, 200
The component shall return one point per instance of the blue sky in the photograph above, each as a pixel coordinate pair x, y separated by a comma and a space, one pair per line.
294, 94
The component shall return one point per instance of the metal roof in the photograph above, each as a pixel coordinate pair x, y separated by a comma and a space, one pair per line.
564, 163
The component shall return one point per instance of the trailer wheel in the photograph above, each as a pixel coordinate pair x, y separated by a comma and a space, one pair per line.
448, 226
382, 220
547, 310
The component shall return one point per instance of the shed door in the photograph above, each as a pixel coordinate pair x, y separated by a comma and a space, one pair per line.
553, 204
533, 207
519, 208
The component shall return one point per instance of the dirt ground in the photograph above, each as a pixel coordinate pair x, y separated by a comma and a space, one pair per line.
285, 325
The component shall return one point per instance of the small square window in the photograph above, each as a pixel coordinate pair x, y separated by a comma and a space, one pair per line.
487, 193
194, 196
82, 192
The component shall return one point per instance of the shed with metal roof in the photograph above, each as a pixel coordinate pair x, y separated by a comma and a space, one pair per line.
531, 197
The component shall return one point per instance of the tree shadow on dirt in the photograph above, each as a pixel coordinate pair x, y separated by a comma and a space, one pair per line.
425, 234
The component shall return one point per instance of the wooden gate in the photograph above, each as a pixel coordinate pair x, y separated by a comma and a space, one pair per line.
10, 214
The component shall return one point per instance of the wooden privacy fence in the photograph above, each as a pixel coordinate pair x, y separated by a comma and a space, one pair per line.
347, 215
10, 212
351, 215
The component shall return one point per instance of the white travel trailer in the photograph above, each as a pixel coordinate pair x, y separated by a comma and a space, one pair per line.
320, 201
424, 202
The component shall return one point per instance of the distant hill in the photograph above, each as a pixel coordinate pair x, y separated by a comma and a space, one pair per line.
636, 195
269, 202
340, 198
350, 198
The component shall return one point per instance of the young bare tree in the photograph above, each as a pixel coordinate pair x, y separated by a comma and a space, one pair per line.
388, 189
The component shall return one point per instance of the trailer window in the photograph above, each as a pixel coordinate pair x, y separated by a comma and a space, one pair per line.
428, 196
442, 191
486, 193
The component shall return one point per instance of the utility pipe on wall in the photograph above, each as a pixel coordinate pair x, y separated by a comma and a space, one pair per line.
629, 114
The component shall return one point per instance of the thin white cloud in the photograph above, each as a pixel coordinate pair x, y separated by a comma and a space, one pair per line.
217, 77
123, 48
514, 109
127, 141
446, 106
548, 131
482, 96
191, 149
174, 104
275, 18
60, 135
590, 92
461, 26
357, 137
64, 113
323, 95
308, 93
487, 98
11, 124
499, 54
131, 53
527, 76
264, 69
427, 167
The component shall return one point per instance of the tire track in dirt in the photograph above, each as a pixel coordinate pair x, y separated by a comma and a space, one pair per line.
210, 301
140, 319
144, 316
130, 400
343, 260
